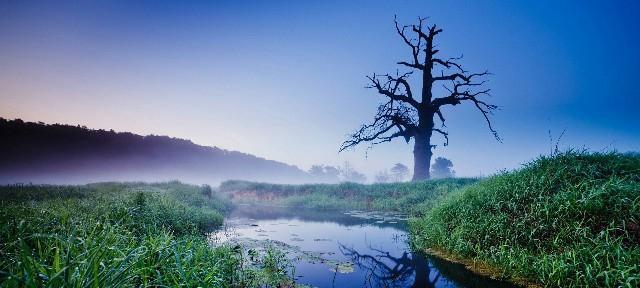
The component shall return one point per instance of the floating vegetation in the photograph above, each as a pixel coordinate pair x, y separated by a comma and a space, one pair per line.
343, 268
232, 236
378, 216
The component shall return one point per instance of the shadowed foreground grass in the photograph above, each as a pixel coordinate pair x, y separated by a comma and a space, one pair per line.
407, 197
120, 235
570, 220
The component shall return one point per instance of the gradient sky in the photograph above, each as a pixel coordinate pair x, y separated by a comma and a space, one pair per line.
285, 80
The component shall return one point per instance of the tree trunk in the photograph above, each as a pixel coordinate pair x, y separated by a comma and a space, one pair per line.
421, 157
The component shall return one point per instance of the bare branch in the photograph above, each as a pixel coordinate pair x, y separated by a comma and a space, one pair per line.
396, 88
390, 115
415, 48
415, 65
449, 63
463, 89
462, 76
444, 134
439, 113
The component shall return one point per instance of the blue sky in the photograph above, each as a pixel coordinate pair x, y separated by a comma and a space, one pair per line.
285, 79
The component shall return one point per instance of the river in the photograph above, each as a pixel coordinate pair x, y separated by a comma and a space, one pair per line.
344, 248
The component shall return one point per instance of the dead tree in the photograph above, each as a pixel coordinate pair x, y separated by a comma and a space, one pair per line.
410, 116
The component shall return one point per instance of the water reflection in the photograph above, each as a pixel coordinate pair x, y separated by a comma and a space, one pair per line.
383, 269
345, 249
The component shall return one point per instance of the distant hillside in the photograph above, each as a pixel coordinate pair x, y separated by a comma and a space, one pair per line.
41, 153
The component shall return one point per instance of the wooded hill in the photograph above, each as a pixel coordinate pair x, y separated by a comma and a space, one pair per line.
41, 153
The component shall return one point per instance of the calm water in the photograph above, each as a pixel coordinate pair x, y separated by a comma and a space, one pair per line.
344, 249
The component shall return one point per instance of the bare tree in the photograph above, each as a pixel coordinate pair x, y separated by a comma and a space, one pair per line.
409, 117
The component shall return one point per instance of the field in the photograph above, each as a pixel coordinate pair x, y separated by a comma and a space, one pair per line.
113, 234
407, 197
570, 220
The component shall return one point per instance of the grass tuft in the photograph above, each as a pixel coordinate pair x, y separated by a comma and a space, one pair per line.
568, 220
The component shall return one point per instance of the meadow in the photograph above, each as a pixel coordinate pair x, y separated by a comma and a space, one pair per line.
124, 235
568, 220
406, 197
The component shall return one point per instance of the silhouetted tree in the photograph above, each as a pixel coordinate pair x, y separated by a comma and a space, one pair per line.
441, 168
351, 175
382, 177
332, 173
324, 173
400, 171
409, 117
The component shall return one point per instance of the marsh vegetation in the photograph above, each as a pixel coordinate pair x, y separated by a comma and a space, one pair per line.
570, 220
121, 235
406, 197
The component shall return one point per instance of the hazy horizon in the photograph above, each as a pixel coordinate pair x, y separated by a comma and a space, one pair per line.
284, 81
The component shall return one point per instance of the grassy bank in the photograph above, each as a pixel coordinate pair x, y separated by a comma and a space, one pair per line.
407, 197
570, 220
123, 235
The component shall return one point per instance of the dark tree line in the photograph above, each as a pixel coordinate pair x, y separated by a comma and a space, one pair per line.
38, 152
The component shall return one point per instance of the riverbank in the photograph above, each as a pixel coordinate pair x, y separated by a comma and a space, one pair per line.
408, 197
570, 220
121, 234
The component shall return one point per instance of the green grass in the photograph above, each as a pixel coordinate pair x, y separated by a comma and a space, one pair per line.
120, 235
570, 220
411, 196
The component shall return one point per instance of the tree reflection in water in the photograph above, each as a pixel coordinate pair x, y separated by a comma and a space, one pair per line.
385, 270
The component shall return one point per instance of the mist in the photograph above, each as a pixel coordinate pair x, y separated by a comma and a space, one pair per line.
62, 154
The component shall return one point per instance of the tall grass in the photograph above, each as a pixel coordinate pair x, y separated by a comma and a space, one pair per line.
116, 235
411, 196
569, 220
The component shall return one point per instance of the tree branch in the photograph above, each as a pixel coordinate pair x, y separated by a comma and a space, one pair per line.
390, 115
415, 48
444, 134
463, 89
391, 88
